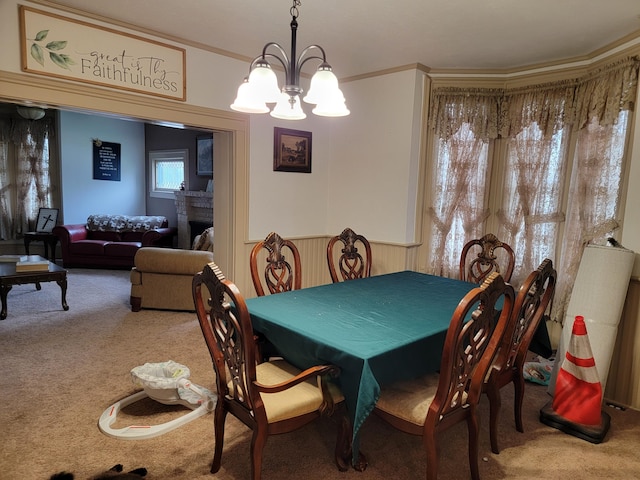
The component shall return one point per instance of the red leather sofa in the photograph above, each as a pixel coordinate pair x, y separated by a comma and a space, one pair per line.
111, 241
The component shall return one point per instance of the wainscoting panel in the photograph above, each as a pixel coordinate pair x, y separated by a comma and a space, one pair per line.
623, 386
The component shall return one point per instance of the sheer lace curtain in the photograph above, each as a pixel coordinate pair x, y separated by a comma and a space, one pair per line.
463, 126
537, 124
603, 102
25, 182
5, 182
533, 122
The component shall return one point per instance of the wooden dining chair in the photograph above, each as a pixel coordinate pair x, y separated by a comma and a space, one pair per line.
270, 397
479, 257
430, 405
350, 263
280, 274
533, 300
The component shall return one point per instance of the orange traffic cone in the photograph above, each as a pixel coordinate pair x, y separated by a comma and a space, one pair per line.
576, 407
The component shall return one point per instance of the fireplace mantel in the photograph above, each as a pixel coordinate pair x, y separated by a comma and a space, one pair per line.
192, 206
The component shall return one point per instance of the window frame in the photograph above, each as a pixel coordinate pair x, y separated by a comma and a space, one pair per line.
156, 156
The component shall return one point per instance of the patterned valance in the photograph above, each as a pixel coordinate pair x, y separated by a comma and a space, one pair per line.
491, 112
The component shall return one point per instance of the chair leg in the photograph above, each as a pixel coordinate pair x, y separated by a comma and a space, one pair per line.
474, 430
258, 441
220, 416
518, 384
495, 402
432, 448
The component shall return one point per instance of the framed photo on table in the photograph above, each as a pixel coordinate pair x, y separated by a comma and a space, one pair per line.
204, 158
47, 219
291, 150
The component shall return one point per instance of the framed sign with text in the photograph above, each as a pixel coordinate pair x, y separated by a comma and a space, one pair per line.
60, 47
106, 161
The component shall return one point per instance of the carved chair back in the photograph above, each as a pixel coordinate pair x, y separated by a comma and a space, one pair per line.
480, 257
533, 300
472, 339
281, 273
229, 336
350, 264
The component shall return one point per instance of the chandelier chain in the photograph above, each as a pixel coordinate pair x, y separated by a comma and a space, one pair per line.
294, 9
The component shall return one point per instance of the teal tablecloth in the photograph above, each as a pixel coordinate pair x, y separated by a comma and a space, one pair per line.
377, 330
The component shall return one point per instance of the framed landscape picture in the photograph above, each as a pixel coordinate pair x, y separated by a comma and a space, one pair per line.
291, 150
204, 159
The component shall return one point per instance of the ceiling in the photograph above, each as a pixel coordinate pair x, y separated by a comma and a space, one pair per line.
364, 36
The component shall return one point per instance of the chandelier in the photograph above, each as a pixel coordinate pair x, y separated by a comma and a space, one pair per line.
261, 86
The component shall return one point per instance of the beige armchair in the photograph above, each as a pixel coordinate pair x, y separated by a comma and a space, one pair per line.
161, 277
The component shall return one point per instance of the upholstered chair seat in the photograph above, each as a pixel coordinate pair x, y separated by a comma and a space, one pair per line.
299, 400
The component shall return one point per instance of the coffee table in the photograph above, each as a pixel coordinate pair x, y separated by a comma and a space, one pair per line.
9, 277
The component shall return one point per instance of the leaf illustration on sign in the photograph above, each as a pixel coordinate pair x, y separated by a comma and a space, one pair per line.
38, 51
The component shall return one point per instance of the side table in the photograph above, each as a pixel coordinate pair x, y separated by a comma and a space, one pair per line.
49, 240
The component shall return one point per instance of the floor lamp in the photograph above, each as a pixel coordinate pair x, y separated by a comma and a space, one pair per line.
598, 295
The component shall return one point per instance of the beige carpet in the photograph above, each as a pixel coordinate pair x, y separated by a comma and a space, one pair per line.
61, 370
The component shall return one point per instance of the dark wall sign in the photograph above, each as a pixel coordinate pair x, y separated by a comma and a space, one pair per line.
106, 161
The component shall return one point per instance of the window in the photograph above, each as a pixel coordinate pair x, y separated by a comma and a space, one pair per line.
26, 167
459, 194
530, 212
536, 137
166, 170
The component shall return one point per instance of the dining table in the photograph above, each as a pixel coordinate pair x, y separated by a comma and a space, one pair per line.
377, 330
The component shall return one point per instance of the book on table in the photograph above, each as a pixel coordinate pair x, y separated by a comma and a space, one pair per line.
31, 263
11, 258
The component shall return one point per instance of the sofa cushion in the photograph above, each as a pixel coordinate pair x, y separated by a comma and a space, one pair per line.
121, 249
87, 247
131, 236
106, 236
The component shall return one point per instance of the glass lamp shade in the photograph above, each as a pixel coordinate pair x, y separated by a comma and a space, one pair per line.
30, 113
246, 101
332, 106
323, 84
285, 110
264, 83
